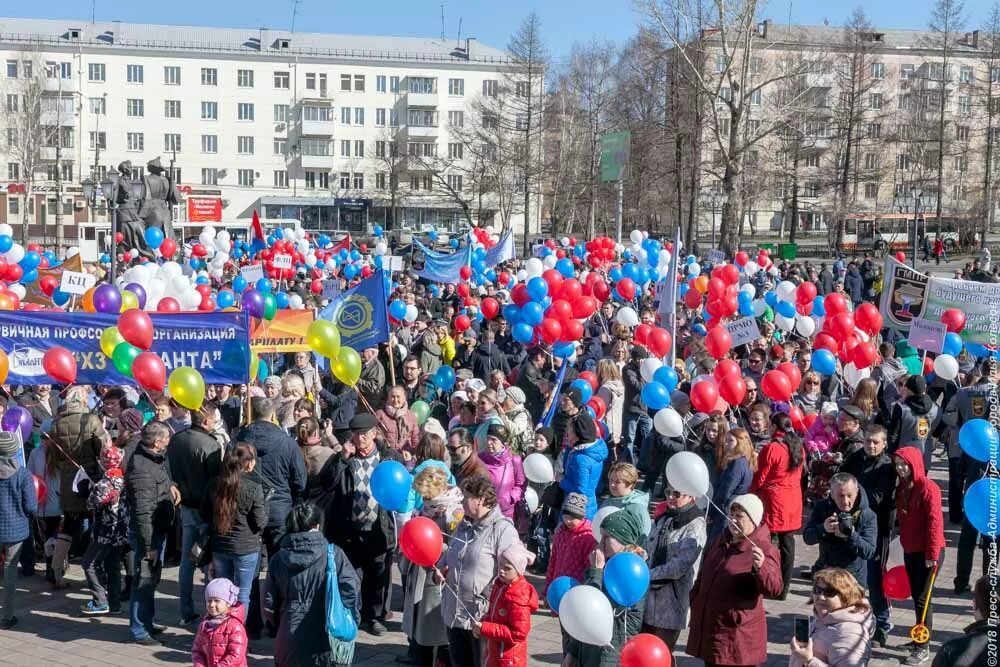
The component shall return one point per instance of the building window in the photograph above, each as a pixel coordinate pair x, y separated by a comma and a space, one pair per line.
171, 75
11, 69
345, 148
421, 84
755, 97
379, 117
98, 140
961, 163
12, 103
209, 76
172, 108
903, 162
456, 87
209, 143
906, 72
345, 180
725, 94
282, 80
379, 148
456, 118
720, 64
421, 149
871, 190
873, 131
878, 70
958, 192
172, 143
755, 65
380, 181
280, 178
244, 145
995, 75
244, 78
210, 176
489, 88
393, 84
380, 83
871, 161
95, 72
393, 118
421, 118
965, 105
13, 203
345, 115
210, 111
133, 73
521, 122
875, 101
98, 106
965, 74
359, 83
54, 70
244, 111
310, 179
359, 181
345, 82
522, 89
455, 151
13, 171
359, 115
455, 182
134, 141
962, 132
244, 177
135, 108
812, 160
280, 146
317, 113
359, 148
280, 113
315, 147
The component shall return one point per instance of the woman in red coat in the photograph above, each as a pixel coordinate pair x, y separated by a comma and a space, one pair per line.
508, 621
740, 568
778, 483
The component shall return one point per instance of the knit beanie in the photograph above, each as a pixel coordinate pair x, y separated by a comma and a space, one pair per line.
518, 556
111, 457
222, 589
623, 526
752, 505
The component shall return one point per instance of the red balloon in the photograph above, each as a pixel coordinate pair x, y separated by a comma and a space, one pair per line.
864, 355
571, 290
572, 331
776, 386
316, 286
490, 307
598, 405
895, 583
625, 288
901, 256
704, 395
168, 248
692, 299
550, 330
553, 279
825, 341
149, 371
645, 650
462, 289
207, 303
641, 333
868, 319
561, 310
49, 284
658, 342
730, 274
795, 414
834, 303
600, 289
465, 272
793, 373
41, 489
732, 388
808, 419
168, 304
727, 368
840, 325
519, 295
805, 292
953, 318
718, 342
742, 258
421, 541
60, 365
119, 237
136, 327
462, 322
583, 306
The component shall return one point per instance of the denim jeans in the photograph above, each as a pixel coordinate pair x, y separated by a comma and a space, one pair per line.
142, 606
192, 531
106, 558
880, 604
241, 569
637, 428
11, 552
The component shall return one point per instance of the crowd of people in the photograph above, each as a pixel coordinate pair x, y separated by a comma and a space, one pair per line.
266, 492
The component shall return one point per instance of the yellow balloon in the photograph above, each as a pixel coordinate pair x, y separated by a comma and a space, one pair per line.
323, 338
347, 366
110, 338
88, 302
187, 387
4, 366
129, 300
254, 364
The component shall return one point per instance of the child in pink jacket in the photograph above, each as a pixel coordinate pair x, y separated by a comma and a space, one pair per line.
221, 640
823, 461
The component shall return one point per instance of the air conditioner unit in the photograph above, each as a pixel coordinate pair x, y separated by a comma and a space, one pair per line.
79, 205
222, 173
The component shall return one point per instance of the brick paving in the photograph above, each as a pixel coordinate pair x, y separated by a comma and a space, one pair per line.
52, 632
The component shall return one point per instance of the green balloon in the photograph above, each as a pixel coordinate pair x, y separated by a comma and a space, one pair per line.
270, 306
913, 365
421, 410
124, 355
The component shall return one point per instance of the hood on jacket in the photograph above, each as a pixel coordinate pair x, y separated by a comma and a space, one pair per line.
521, 592
8, 466
640, 498
302, 550
846, 615
893, 368
597, 450
920, 405
915, 459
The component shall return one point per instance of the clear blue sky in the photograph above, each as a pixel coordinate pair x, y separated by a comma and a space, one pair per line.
491, 21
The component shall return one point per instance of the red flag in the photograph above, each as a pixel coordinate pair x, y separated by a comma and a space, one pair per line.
258, 230
345, 244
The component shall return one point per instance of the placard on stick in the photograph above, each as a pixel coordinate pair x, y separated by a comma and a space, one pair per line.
74, 282
927, 335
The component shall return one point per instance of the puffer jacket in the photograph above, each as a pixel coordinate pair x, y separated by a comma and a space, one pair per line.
471, 560
779, 488
507, 472
280, 468
222, 645
612, 393
508, 622
147, 482
675, 550
486, 358
734, 480
18, 502
571, 549
636, 503
582, 467
81, 436
918, 507
841, 638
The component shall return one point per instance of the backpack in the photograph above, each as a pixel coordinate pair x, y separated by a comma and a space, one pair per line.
340, 623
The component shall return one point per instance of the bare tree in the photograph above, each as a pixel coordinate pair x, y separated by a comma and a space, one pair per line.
989, 101
390, 164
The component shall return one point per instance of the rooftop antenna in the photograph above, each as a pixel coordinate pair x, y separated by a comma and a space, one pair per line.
93, 11
295, 12
442, 22
459, 38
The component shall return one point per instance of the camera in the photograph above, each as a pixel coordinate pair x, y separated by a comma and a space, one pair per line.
845, 523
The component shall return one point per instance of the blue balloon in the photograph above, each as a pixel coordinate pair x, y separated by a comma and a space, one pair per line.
590, 412
557, 589
30, 261
980, 505
201, 280
239, 284
565, 267
104, 258
29, 277
444, 378
785, 308
60, 298
563, 350
537, 288
977, 350
262, 370
343, 254
263, 285
631, 271
823, 362
454, 244
225, 299
700, 330
351, 271
819, 309
532, 313
615, 274
523, 333
980, 440
655, 395
280, 297
397, 309
626, 578
512, 313
432, 235
6, 243
378, 231
586, 391
154, 237
390, 484
952, 344
546, 251
771, 299
355, 255
666, 376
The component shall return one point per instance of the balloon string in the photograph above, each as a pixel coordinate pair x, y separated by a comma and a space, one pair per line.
731, 522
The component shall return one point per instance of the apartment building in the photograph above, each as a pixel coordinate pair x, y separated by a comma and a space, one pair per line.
295, 126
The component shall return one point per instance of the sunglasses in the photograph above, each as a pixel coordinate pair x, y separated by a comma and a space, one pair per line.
674, 494
825, 591
756, 361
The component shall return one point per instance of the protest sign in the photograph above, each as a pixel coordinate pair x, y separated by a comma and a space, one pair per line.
282, 261
74, 282
285, 333
252, 273
927, 335
743, 330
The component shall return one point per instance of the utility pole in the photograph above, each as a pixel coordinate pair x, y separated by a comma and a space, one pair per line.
59, 202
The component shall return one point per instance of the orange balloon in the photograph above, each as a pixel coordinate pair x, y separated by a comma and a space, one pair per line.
701, 284
88, 301
6, 302
4, 366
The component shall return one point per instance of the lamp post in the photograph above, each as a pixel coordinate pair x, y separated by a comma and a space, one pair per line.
915, 193
109, 190
716, 200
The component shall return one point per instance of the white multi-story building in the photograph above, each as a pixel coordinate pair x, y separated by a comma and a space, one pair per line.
295, 126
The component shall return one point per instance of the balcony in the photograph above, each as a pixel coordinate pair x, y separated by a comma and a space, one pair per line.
421, 99
317, 128
421, 131
317, 161
47, 153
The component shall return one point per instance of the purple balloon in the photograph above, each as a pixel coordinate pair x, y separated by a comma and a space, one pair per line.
18, 419
253, 303
107, 299
139, 291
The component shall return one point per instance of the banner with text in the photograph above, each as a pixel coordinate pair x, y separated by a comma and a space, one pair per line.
285, 333
204, 209
216, 344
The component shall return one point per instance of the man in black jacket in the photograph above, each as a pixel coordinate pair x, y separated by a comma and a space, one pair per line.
359, 525
980, 639
533, 382
844, 527
637, 422
151, 503
195, 459
487, 357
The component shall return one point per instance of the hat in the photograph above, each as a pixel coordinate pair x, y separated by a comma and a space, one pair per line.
679, 397
222, 589
9, 446
854, 412
828, 408
111, 457
623, 526
463, 374
584, 428
548, 433
460, 395
362, 423
498, 431
518, 556
468, 333
130, 420
516, 394
475, 384
697, 420
752, 505
272, 379
574, 395
639, 352
917, 384
575, 505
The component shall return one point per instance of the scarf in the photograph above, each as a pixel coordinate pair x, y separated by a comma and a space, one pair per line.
398, 415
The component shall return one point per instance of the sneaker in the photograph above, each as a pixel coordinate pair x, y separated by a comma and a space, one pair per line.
158, 629
91, 609
919, 654
146, 641
880, 637
374, 628
8, 622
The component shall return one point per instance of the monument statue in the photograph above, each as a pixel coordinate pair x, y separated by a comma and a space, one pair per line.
160, 195
130, 225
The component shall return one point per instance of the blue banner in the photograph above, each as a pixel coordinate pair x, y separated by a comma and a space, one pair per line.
502, 251
360, 313
216, 344
442, 267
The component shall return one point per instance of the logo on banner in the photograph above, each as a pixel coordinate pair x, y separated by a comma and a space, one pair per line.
978, 404
355, 316
27, 361
906, 300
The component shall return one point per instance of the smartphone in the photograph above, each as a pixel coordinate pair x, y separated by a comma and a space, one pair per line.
802, 630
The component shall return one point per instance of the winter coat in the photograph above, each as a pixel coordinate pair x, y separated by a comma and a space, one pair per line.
371, 384
850, 553
854, 286
471, 560
675, 550
280, 468
430, 351
339, 526
486, 358
734, 480
249, 518
18, 501
195, 458
918, 506
222, 645
841, 638
81, 436
570, 554
912, 422
471, 467
728, 624
507, 472
147, 482
401, 432
508, 622
779, 488
637, 503
627, 624
582, 467
319, 461
111, 513
522, 434
633, 382
295, 601
969, 650
36, 466
877, 476
612, 393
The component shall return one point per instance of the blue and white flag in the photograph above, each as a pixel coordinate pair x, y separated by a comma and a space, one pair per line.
502, 251
442, 267
360, 313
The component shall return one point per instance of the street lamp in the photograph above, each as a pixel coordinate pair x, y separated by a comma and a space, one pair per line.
716, 201
915, 193
109, 190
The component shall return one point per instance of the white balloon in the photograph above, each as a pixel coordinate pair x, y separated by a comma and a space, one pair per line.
538, 468
295, 301
522, 275
668, 422
15, 254
784, 323
7, 230
208, 232
302, 246
751, 267
687, 473
533, 268
749, 289
853, 376
627, 316
72, 252
946, 367
18, 289
759, 308
223, 245
564, 241
381, 248
411, 313
223, 235
191, 299
550, 261
179, 284
170, 269
786, 290
635, 236
694, 269
531, 498
648, 367
299, 233
288, 234
805, 326
774, 271
599, 517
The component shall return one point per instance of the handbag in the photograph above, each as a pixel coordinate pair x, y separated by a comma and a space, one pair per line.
340, 623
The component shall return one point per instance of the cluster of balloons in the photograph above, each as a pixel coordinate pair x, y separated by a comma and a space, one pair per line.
979, 439
323, 338
550, 307
20, 264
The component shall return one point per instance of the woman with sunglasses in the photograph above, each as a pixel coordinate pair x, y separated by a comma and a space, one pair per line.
841, 627
810, 396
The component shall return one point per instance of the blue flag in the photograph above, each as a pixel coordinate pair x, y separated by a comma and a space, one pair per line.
502, 251
550, 410
360, 313
442, 267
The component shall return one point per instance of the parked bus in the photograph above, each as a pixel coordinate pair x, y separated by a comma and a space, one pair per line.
880, 234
